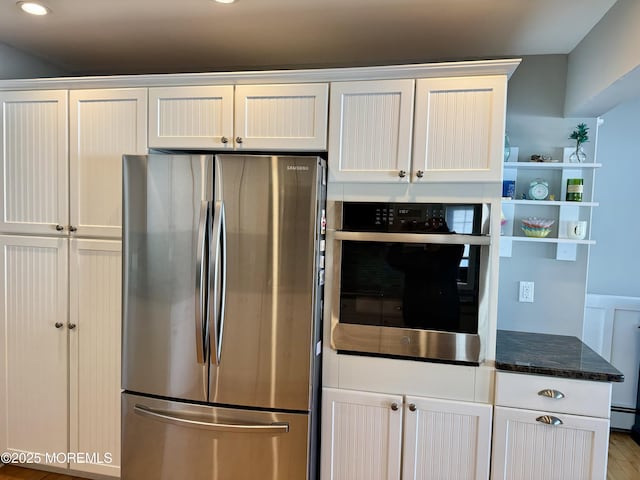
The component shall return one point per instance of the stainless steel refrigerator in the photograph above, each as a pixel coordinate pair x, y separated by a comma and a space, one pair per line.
221, 316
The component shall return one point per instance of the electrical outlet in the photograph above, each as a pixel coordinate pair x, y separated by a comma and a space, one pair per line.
526, 292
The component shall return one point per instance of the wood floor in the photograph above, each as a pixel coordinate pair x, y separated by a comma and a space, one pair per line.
624, 463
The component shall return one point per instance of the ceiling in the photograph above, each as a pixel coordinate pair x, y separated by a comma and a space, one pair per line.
169, 36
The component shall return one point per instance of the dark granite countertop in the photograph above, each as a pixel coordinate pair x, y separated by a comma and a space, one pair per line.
554, 355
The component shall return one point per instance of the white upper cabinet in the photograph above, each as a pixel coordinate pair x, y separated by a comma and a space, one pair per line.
246, 117
191, 117
459, 129
34, 156
105, 124
370, 131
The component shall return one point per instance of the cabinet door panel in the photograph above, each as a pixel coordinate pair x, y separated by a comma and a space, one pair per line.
34, 169
525, 449
94, 352
446, 439
33, 352
361, 435
191, 117
105, 124
281, 117
370, 129
459, 128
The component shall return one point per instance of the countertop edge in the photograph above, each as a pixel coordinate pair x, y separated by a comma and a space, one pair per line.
558, 372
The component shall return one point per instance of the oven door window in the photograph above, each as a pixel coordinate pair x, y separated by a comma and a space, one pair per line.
407, 285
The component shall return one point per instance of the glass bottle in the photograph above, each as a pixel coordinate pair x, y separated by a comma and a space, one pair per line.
574, 189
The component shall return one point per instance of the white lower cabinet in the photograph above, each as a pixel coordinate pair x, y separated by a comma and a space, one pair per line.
371, 436
549, 427
525, 448
60, 351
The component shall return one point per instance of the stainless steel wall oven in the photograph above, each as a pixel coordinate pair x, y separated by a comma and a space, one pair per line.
407, 279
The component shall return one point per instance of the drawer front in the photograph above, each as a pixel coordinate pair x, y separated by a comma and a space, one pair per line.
552, 394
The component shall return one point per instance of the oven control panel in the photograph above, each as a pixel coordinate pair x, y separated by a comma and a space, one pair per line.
405, 217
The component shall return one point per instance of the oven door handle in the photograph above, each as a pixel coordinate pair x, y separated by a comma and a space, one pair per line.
455, 239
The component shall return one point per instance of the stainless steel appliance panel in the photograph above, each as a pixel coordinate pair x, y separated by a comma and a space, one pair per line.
170, 440
167, 202
270, 234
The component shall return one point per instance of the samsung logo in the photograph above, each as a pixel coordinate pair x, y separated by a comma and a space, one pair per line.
297, 167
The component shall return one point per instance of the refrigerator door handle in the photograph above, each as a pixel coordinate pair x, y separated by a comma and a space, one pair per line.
218, 287
169, 417
201, 289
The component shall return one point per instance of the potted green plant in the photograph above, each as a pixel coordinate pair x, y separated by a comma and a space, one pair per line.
580, 135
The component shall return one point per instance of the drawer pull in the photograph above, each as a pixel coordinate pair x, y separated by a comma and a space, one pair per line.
555, 394
549, 420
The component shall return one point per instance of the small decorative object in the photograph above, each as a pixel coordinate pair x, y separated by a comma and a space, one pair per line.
538, 189
574, 189
580, 135
541, 158
507, 147
508, 188
537, 227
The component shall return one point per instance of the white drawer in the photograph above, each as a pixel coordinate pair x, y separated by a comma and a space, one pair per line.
577, 397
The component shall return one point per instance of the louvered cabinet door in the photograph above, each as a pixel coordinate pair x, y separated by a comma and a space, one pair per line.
370, 127
33, 345
94, 353
459, 129
105, 124
361, 435
34, 162
527, 448
445, 439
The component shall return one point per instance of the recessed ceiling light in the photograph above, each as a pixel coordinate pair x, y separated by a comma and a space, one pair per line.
33, 8
225, 1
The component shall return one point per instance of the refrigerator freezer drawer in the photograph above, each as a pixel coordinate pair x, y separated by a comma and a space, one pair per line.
166, 440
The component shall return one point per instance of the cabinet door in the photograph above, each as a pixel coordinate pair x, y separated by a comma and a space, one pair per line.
281, 117
459, 129
34, 170
526, 449
105, 124
446, 439
361, 435
370, 131
33, 345
191, 117
94, 353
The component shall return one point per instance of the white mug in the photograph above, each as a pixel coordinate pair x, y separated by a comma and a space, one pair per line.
577, 230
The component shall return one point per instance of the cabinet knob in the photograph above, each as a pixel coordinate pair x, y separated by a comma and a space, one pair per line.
402, 174
59, 324
71, 326
549, 420
72, 228
394, 406
420, 173
412, 407
59, 228
224, 140
550, 393
238, 139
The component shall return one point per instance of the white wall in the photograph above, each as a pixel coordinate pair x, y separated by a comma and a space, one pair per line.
614, 267
16, 64
535, 123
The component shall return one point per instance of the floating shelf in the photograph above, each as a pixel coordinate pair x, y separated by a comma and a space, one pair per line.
558, 203
548, 240
543, 165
